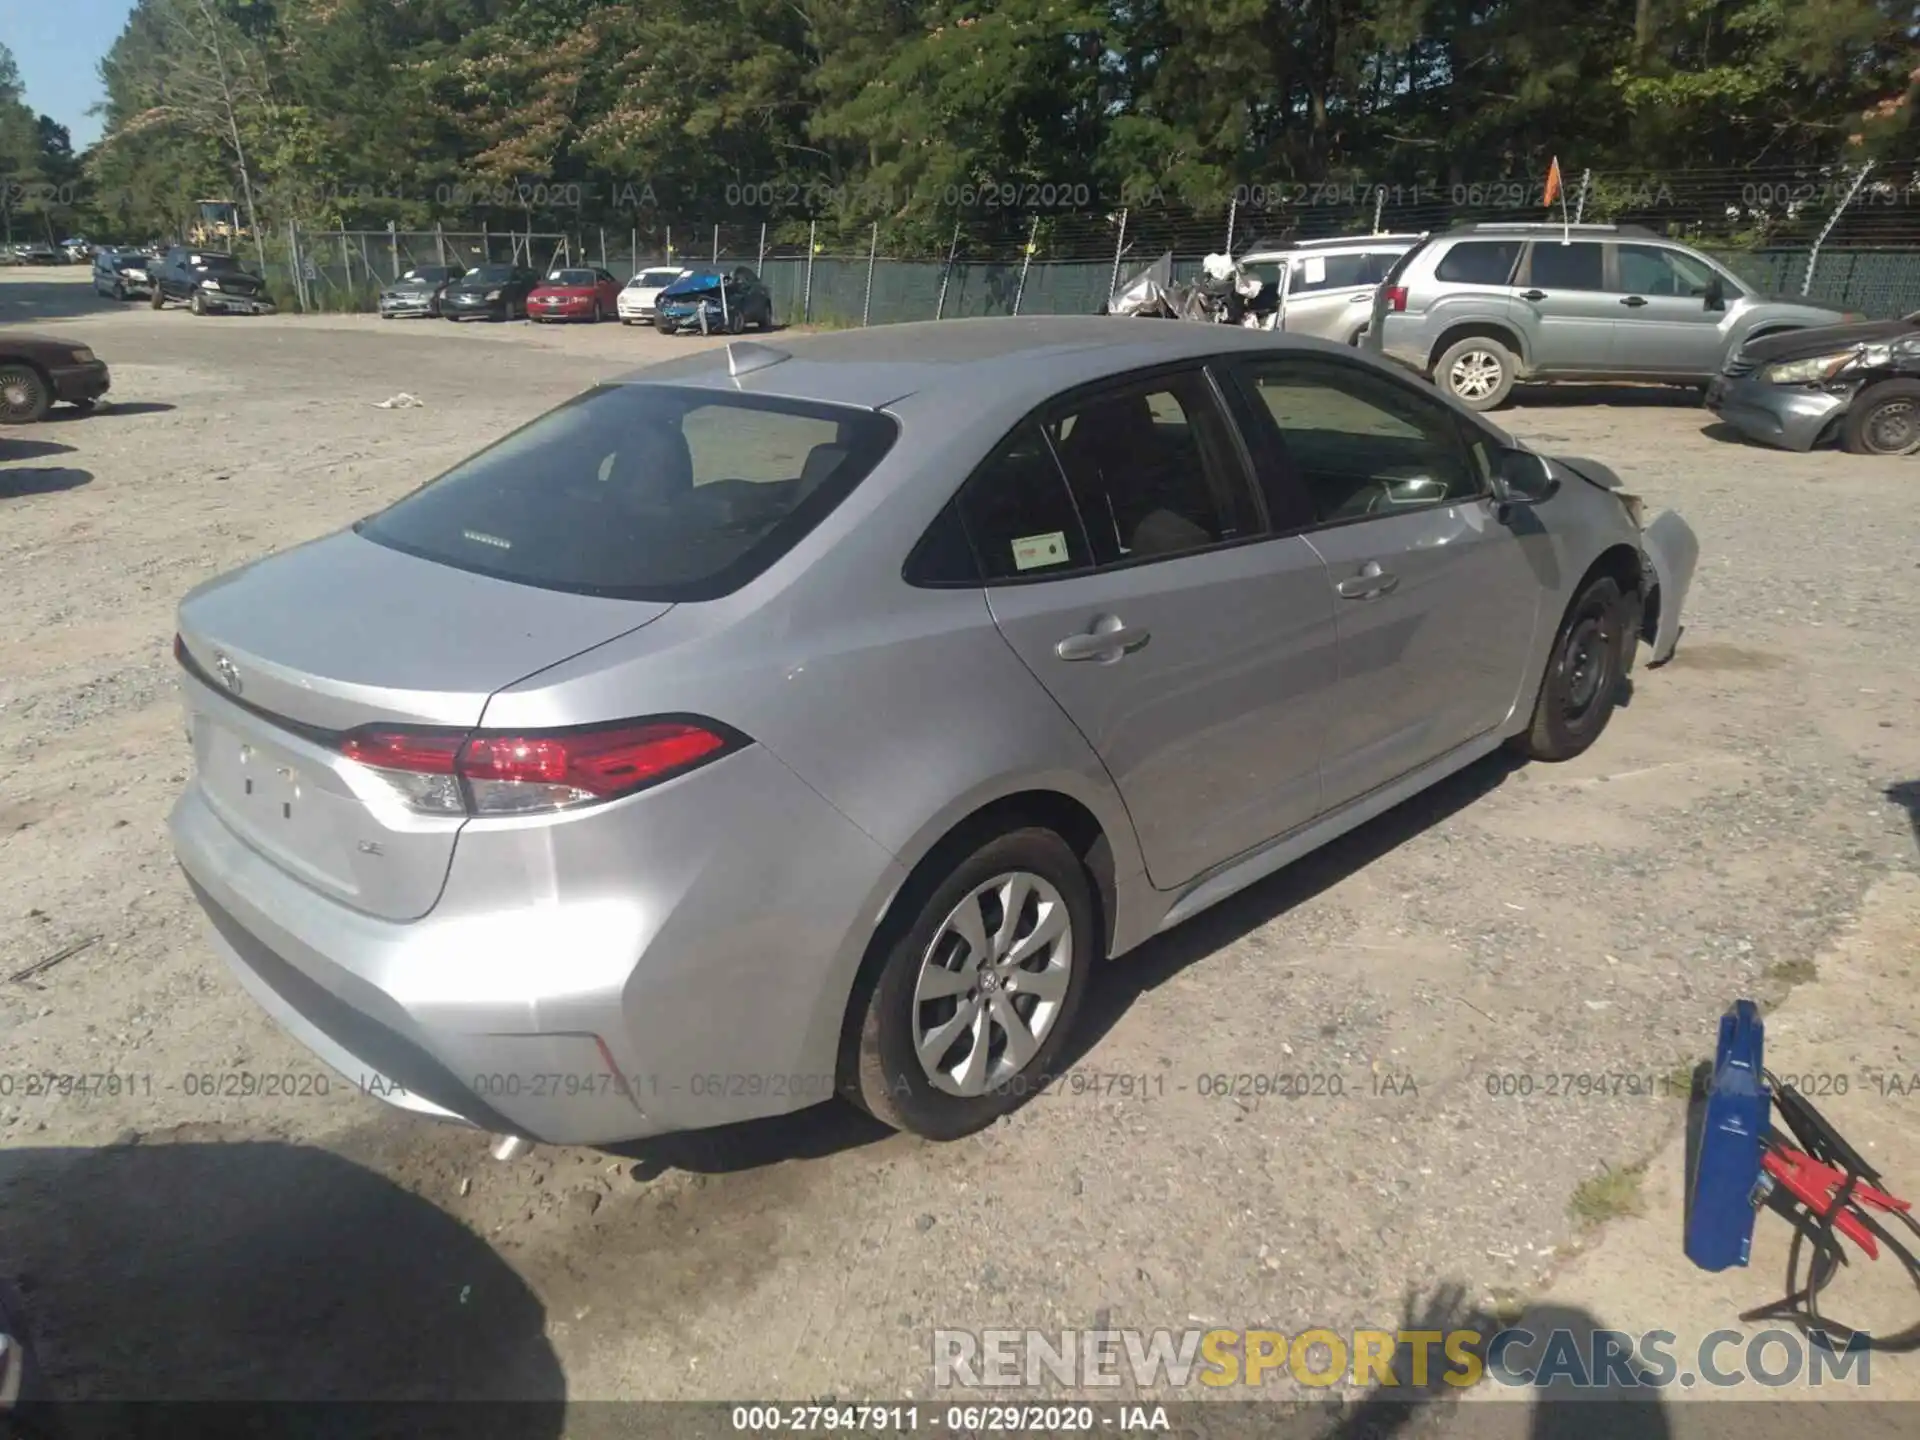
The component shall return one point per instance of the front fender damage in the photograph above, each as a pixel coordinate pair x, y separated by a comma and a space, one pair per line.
1672, 550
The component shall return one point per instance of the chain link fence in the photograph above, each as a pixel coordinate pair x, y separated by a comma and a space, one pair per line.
1847, 237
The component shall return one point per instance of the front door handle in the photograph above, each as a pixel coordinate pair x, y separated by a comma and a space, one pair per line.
1533, 294
1371, 581
1357, 299
1106, 640
1634, 300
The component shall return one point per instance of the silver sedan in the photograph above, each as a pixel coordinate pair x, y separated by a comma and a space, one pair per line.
782, 723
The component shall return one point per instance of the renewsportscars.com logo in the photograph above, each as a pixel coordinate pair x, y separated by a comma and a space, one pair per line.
1159, 1360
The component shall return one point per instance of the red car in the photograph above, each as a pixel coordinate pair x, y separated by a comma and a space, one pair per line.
584, 293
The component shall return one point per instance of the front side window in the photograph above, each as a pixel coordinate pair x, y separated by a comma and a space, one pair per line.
1656, 270
1478, 262
1578, 266
1362, 444
645, 492
1152, 470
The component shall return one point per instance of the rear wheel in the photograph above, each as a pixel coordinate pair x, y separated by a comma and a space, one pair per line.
975, 998
1478, 372
1884, 420
736, 322
25, 395
1584, 670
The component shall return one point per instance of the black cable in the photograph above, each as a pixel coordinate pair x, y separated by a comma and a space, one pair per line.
1824, 1144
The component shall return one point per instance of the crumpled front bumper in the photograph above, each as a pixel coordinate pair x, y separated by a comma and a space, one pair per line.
226, 302
1792, 417
1672, 550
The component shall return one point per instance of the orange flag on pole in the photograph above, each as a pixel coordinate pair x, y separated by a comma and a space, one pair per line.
1553, 183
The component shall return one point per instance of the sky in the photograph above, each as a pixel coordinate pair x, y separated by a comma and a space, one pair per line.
58, 47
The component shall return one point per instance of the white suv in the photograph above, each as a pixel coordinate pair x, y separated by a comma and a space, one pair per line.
1325, 287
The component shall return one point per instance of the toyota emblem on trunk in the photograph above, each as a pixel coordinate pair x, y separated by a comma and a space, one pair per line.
229, 673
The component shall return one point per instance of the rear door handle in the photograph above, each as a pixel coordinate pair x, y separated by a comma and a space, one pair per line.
1634, 300
1363, 295
1533, 294
1371, 581
1107, 639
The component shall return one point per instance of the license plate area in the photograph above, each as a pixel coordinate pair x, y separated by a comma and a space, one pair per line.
276, 800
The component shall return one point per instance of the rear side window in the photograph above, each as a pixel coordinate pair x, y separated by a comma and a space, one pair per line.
1019, 514
1152, 471
1479, 262
1332, 272
643, 492
1579, 266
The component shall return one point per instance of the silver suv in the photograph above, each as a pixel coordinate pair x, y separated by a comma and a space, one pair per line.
1479, 307
1325, 287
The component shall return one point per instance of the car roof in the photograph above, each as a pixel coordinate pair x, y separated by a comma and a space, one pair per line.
967, 362
1272, 249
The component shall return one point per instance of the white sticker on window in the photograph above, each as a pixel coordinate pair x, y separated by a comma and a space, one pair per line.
1031, 552
1316, 269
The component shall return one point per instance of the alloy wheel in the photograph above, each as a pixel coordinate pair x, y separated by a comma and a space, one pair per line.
1475, 375
991, 983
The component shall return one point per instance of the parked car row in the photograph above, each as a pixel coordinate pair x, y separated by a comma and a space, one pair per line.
672, 298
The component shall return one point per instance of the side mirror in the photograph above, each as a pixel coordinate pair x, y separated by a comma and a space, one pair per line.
1521, 477
1716, 293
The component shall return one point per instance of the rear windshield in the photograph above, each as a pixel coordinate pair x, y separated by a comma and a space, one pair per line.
642, 492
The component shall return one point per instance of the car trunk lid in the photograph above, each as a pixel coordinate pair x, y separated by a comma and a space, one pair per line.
286, 655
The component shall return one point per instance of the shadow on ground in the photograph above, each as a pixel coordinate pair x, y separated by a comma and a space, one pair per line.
1548, 397
259, 1272
109, 410
1165, 956
28, 302
16, 483
1906, 794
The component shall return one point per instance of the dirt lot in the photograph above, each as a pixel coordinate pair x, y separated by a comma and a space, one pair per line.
189, 1236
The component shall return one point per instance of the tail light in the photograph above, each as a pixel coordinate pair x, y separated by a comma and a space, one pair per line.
457, 772
1396, 297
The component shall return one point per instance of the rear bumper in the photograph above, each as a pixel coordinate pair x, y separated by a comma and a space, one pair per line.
637, 969
81, 382
1791, 417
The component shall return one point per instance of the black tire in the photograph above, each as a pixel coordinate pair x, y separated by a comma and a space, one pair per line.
1884, 420
883, 1074
597, 315
1477, 358
120, 291
196, 304
25, 395
157, 299
766, 319
1584, 671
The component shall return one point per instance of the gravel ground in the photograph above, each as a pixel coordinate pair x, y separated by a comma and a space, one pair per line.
189, 1235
